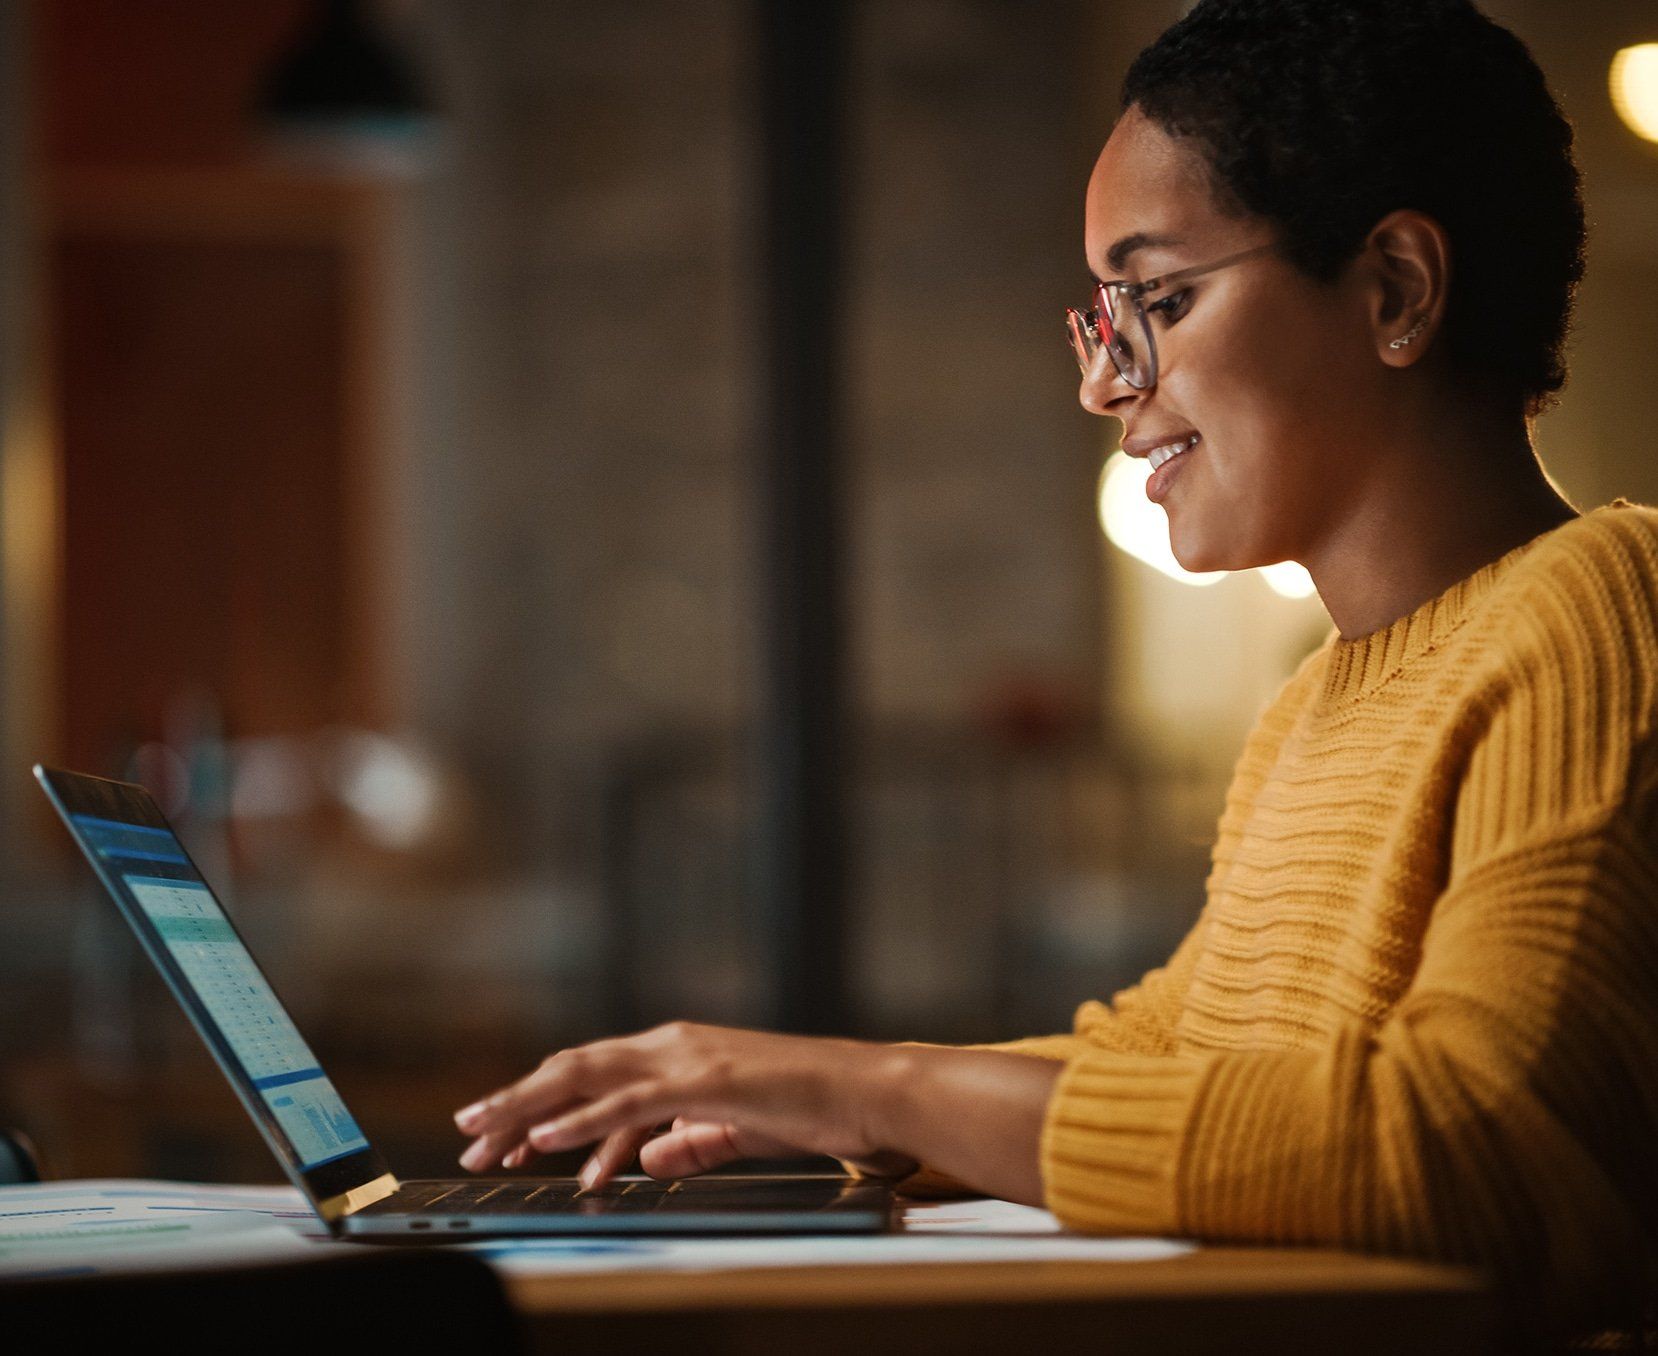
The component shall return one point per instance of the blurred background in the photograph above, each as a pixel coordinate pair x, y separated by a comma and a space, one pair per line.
581, 515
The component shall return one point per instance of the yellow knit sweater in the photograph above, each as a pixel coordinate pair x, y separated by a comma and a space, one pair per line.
1419, 1011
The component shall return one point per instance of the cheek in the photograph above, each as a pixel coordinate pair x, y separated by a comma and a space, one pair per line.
1266, 392
1272, 413
1240, 405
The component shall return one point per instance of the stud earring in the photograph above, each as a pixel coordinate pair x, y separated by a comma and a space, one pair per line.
1416, 329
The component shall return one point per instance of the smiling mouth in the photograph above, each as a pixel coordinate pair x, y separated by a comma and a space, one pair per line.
1158, 455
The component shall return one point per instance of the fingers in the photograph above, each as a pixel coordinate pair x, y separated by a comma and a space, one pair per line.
621, 1087
611, 1157
561, 1100
638, 1106
499, 1109
604, 1163
488, 1150
693, 1146
562, 1081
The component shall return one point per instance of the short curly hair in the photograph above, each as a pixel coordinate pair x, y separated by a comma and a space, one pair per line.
1323, 116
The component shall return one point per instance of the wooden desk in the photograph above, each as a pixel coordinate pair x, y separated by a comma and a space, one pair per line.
1211, 1300
1214, 1300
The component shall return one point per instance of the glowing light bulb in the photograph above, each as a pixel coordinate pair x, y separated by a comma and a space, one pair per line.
1634, 83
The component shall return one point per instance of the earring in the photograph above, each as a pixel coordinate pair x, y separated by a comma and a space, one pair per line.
1416, 329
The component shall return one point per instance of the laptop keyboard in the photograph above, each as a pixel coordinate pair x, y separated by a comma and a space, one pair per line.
524, 1197
629, 1195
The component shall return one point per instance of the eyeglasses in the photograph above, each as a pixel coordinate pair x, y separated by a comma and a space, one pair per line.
1119, 321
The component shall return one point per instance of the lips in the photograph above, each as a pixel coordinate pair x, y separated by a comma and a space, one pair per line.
1169, 451
1169, 465
1165, 450
1150, 442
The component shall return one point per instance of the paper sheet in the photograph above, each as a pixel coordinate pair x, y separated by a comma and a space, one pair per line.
559, 1256
979, 1217
101, 1227
947, 1231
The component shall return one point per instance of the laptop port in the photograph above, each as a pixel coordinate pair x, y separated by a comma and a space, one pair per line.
420, 1224
460, 1224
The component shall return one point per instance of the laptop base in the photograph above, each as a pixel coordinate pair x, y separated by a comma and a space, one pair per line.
436, 1211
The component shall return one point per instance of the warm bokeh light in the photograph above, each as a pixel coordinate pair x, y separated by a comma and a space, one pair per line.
1635, 88
1288, 580
1136, 525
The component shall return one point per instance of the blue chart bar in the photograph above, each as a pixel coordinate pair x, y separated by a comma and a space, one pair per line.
279, 1080
110, 838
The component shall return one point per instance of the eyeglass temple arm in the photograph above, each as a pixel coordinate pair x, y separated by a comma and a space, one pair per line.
1186, 274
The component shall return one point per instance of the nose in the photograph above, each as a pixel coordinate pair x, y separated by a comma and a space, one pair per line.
1103, 389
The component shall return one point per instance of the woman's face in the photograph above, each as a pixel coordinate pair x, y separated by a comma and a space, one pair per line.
1275, 373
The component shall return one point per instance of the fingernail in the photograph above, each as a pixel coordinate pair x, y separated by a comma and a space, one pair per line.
467, 1116
473, 1158
589, 1174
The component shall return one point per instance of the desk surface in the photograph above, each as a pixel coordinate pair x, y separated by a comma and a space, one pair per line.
1207, 1300
1220, 1300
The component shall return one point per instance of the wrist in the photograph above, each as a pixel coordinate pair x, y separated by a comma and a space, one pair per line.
885, 1086
877, 1078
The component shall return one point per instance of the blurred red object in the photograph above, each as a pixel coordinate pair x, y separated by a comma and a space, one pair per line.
1032, 709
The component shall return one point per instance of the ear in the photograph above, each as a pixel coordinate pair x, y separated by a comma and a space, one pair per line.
1408, 257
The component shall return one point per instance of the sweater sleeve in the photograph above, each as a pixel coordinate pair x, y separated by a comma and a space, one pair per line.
1503, 1113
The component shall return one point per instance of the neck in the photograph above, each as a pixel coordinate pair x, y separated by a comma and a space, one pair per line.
1439, 508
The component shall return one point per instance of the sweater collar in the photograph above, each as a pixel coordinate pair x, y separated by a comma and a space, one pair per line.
1359, 666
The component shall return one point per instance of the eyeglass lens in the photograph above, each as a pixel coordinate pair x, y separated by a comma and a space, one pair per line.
1119, 324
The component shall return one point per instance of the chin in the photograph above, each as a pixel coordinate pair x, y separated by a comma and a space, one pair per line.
1204, 550
1200, 557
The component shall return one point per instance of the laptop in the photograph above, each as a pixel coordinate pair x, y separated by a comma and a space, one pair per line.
141, 863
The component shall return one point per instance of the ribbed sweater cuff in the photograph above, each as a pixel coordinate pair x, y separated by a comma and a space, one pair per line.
1111, 1142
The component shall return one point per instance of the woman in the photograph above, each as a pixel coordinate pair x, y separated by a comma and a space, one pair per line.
1419, 1012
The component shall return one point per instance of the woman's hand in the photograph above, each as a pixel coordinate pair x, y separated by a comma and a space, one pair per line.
974, 1114
732, 1094
689, 1147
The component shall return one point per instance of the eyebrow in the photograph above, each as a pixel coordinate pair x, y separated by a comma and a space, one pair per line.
1117, 256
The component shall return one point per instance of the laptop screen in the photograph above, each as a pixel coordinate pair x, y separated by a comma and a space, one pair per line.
182, 924
151, 868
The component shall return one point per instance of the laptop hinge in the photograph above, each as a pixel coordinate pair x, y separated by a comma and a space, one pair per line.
338, 1207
